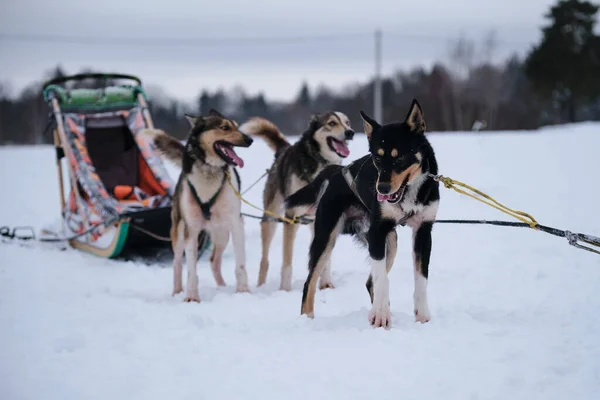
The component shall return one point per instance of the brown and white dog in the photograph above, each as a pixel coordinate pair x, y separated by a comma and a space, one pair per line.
323, 143
203, 199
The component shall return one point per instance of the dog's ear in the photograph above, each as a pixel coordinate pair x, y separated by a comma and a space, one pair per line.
414, 118
313, 123
369, 124
215, 113
192, 120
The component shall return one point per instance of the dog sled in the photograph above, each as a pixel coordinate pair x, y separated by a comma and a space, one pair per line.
118, 198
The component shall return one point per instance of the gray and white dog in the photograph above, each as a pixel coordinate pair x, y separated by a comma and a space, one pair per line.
324, 143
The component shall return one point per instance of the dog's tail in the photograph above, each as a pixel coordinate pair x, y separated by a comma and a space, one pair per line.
170, 147
309, 195
266, 130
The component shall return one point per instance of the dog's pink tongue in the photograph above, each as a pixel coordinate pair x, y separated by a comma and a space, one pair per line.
341, 148
382, 197
231, 154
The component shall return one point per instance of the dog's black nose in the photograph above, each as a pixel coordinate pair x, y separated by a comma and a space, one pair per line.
384, 188
248, 140
349, 134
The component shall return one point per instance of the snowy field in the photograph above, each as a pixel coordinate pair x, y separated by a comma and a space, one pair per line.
515, 312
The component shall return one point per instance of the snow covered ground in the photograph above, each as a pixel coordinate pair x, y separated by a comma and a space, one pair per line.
515, 312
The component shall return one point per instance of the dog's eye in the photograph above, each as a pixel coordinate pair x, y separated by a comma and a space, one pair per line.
332, 123
225, 128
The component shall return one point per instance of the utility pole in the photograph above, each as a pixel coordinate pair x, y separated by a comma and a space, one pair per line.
377, 106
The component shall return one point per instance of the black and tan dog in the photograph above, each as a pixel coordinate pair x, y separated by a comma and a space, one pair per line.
391, 186
323, 143
203, 200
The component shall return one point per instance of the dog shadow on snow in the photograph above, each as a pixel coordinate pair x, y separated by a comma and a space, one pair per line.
355, 320
208, 290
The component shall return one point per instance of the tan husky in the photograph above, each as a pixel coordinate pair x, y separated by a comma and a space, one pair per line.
203, 199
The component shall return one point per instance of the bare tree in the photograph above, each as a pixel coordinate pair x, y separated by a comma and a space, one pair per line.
490, 45
489, 79
461, 55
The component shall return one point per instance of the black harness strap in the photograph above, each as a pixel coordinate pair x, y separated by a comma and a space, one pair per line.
352, 185
237, 178
205, 207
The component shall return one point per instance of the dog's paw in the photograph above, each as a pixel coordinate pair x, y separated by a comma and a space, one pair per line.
326, 285
194, 297
286, 278
381, 316
286, 286
423, 315
242, 289
220, 282
177, 290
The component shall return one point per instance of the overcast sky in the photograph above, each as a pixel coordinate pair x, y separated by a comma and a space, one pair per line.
336, 47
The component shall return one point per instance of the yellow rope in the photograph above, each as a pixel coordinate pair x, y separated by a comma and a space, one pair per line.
448, 183
293, 220
520, 215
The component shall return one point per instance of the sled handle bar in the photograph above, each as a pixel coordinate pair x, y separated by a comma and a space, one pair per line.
80, 77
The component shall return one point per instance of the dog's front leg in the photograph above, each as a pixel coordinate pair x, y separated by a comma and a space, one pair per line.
191, 256
380, 314
421, 256
239, 247
289, 236
390, 256
178, 245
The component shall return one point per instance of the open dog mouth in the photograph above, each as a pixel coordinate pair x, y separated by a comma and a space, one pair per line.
226, 152
394, 197
338, 146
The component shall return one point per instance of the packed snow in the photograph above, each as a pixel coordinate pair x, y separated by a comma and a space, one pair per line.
514, 311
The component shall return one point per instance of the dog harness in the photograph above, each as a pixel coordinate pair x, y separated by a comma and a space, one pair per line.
351, 181
205, 207
352, 184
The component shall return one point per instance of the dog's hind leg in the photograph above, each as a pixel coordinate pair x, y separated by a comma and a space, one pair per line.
191, 256
421, 257
390, 256
178, 244
267, 231
325, 280
289, 235
241, 275
220, 239
327, 226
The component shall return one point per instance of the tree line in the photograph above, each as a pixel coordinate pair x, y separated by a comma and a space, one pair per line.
558, 81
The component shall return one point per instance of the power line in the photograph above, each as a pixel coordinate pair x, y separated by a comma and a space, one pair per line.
215, 41
161, 41
450, 38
